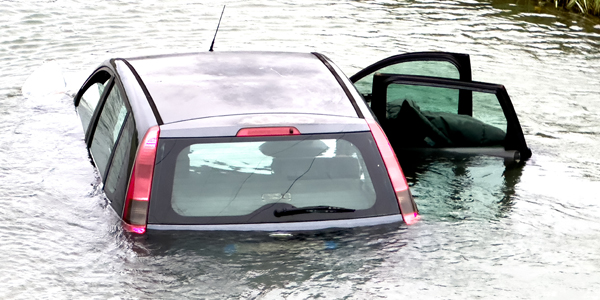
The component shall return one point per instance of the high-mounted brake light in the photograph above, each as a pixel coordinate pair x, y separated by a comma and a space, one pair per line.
268, 131
408, 209
138, 194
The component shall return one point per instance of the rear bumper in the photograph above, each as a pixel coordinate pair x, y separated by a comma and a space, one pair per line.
292, 226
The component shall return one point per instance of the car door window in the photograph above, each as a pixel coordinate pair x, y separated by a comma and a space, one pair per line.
433, 99
418, 111
121, 164
106, 132
487, 109
431, 126
443, 69
433, 64
87, 103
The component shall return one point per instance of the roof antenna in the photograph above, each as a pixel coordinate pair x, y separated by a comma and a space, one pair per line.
213, 42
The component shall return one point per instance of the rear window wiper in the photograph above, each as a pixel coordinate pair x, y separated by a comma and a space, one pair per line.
311, 209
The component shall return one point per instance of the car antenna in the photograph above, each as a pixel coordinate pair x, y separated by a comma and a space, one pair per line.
213, 42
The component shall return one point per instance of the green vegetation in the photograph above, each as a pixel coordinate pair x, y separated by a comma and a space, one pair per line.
584, 6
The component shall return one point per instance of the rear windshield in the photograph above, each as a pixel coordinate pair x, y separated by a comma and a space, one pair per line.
252, 180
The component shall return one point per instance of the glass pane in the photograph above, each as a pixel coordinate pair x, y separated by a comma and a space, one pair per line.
431, 116
109, 125
234, 179
442, 69
88, 103
117, 178
487, 109
428, 98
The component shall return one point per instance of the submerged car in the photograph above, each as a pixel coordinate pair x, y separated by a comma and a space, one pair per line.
272, 141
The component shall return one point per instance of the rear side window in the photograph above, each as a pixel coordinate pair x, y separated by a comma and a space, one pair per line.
246, 180
91, 97
120, 167
107, 131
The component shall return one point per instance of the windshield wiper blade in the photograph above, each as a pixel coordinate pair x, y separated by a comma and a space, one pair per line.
311, 209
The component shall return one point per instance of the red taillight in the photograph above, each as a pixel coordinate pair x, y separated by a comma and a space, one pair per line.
268, 131
140, 184
408, 208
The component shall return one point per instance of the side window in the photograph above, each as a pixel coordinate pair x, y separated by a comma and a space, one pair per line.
107, 131
487, 109
442, 69
91, 97
431, 115
433, 99
120, 167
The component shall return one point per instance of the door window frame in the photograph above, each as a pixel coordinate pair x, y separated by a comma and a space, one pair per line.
514, 140
100, 75
114, 83
461, 61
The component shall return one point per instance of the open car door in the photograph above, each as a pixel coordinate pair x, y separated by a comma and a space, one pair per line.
426, 102
435, 64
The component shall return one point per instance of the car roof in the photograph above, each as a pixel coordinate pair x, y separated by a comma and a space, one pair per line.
210, 84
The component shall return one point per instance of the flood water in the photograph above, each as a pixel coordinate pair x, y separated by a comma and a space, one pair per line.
487, 230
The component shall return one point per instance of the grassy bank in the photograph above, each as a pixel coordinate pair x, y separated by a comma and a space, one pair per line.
584, 6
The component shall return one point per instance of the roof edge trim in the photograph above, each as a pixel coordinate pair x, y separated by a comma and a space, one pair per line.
327, 63
159, 120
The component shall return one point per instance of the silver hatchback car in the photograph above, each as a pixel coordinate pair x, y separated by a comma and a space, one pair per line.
270, 141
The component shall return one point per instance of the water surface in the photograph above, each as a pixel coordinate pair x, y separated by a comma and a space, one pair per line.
487, 230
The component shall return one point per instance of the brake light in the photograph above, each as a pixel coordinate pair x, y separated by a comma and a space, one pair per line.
406, 203
138, 194
268, 131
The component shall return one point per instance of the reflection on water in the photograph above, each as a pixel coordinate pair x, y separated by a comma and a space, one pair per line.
479, 187
544, 12
344, 262
241, 264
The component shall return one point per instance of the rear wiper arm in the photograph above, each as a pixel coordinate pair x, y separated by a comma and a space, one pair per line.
311, 209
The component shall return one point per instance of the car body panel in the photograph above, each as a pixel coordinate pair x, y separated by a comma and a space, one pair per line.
293, 226
230, 125
200, 85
